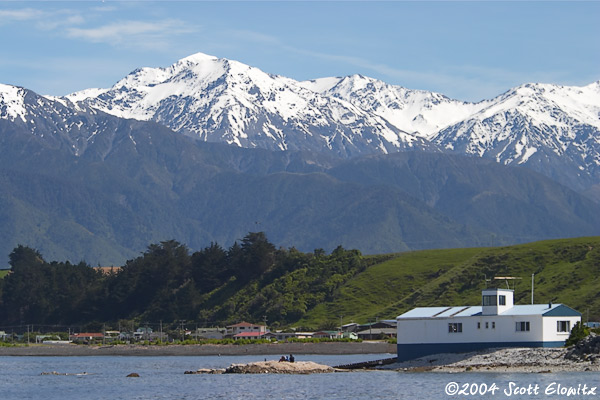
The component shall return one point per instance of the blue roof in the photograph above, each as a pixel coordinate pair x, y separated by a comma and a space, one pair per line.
555, 310
441, 312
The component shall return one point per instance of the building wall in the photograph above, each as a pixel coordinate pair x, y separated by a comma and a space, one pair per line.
421, 337
436, 330
550, 331
498, 308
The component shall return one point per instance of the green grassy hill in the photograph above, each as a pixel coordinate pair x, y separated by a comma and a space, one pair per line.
566, 271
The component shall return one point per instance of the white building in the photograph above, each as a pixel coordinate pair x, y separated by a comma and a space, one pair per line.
245, 329
496, 323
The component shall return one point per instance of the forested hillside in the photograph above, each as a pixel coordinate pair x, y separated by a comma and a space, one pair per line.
215, 286
253, 280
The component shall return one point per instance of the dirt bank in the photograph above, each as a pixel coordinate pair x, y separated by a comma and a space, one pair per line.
201, 350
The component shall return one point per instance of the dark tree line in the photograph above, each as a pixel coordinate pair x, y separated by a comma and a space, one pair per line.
250, 280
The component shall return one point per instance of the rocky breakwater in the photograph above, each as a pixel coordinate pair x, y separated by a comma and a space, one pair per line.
586, 350
270, 367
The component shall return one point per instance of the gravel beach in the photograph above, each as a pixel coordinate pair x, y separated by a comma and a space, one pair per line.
536, 360
70, 350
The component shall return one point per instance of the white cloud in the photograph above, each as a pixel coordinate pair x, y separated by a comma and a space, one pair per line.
45, 20
24, 14
256, 37
463, 82
56, 21
133, 33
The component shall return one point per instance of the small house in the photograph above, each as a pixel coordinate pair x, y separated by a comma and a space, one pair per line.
210, 333
280, 336
327, 335
377, 330
303, 335
251, 335
243, 327
86, 337
496, 323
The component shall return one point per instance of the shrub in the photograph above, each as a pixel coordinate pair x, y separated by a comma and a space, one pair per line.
578, 332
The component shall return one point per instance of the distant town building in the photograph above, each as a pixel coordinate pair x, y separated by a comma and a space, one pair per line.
209, 333
86, 337
245, 330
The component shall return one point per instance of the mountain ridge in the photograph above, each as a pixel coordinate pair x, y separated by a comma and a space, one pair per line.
214, 99
82, 183
89, 185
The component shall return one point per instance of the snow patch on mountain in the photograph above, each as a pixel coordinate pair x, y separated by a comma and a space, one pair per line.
12, 102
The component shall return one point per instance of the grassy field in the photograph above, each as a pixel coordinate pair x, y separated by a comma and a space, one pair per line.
566, 271
3, 273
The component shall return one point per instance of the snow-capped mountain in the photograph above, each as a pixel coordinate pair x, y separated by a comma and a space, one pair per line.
552, 129
76, 177
220, 100
56, 122
419, 112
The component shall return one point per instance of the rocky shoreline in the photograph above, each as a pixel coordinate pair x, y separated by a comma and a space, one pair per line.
523, 360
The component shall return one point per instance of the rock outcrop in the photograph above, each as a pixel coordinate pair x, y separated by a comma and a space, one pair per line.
587, 349
269, 367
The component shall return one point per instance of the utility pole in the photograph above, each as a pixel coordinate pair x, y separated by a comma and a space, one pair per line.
182, 321
588, 315
265, 322
532, 275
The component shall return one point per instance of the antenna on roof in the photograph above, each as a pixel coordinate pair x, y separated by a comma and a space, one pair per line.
507, 278
486, 280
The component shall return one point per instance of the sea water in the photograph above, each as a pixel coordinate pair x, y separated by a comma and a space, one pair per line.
105, 377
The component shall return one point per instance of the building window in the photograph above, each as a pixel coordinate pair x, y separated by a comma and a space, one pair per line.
502, 300
563, 326
479, 325
489, 300
455, 327
493, 324
487, 325
523, 326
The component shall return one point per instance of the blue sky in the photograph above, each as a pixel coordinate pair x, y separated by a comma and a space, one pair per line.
466, 50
